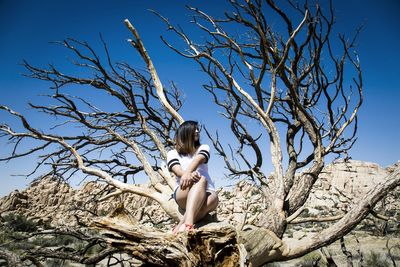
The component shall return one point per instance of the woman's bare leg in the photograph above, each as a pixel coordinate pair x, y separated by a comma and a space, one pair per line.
195, 200
181, 198
209, 205
191, 200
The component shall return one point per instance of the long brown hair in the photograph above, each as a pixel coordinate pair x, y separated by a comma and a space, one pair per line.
184, 139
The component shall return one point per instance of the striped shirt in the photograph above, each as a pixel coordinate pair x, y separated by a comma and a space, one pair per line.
174, 158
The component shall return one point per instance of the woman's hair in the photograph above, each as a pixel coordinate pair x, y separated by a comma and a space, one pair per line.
184, 138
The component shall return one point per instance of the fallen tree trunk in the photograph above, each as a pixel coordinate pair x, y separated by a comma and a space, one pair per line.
215, 244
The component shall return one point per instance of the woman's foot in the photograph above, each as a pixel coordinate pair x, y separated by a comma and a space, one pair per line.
189, 227
176, 228
185, 227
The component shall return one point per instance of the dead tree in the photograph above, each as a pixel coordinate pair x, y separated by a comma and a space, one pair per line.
301, 87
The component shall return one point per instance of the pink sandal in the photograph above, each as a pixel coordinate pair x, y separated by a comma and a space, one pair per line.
189, 227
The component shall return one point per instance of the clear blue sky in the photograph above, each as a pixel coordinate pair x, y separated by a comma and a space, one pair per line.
27, 27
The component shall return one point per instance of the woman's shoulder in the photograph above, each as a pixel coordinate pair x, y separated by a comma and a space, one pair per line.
203, 147
172, 153
204, 150
171, 150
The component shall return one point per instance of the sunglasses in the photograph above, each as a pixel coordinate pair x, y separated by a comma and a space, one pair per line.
198, 128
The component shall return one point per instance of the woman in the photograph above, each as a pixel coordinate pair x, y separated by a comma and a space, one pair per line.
194, 191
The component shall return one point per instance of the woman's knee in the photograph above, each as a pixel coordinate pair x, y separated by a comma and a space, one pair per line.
215, 201
203, 181
181, 197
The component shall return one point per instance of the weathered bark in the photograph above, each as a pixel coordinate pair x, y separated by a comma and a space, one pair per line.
272, 220
301, 188
261, 245
213, 245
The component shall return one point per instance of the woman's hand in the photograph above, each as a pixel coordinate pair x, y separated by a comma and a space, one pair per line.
195, 176
186, 180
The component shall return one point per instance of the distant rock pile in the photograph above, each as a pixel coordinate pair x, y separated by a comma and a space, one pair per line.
54, 202
44, 201
342, 183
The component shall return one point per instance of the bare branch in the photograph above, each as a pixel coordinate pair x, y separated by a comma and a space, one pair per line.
138, 44
316, 219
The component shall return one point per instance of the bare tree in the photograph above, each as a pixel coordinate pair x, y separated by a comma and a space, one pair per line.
300, 85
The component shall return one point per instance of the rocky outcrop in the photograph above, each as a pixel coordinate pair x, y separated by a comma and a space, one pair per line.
342, 183
52, 201
46, 200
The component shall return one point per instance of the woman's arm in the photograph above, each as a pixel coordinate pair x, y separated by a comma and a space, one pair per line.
189, 176
196, 162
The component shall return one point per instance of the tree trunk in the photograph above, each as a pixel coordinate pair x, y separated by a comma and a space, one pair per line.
213, 245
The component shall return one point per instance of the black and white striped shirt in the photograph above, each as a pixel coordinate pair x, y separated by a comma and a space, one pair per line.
174, 158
